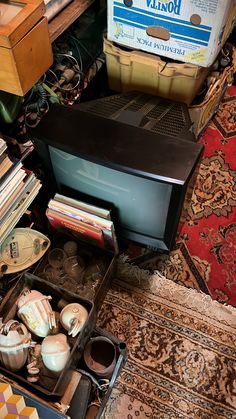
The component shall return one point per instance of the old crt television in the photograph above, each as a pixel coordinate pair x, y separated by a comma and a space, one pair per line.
131, 152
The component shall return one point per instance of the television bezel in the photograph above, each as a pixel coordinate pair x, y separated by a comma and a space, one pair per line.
45, 135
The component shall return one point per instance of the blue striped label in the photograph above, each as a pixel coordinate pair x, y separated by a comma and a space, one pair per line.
179, 29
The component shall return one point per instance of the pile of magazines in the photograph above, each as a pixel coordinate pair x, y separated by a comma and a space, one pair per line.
18, 188
89, 222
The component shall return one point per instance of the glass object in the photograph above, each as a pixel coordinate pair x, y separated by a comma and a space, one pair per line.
70, 247
68, 282
56, 276
86, 292
56, 258
74, 266
95, 270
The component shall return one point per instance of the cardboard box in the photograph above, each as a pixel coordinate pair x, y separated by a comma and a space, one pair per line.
202, 113
191, 31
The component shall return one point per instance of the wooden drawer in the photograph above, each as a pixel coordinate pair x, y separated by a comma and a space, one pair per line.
23, 64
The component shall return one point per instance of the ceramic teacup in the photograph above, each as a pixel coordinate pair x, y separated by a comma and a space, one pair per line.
73, 317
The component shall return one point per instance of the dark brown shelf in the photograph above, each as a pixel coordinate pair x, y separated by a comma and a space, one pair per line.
67, 16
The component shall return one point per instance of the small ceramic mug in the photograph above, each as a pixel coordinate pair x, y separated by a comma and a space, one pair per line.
73, 317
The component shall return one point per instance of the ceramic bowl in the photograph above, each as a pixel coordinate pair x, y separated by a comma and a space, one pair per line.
14, 345
35, 311
100, 356
73, 317
55, 352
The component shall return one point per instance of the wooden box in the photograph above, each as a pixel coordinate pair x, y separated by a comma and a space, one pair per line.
25, 48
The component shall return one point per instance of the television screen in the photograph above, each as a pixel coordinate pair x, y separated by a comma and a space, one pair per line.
127, 162
141, 204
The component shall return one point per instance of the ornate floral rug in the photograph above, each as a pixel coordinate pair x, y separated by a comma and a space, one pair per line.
181, 350
205, 255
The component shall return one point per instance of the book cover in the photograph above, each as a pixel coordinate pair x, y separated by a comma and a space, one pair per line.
5, 166
2, 157
11, 186
9, 175
107, 226
8, 205
81, 215
92, 209
89, 233
15, 215
23, 188
3, 145
111, 240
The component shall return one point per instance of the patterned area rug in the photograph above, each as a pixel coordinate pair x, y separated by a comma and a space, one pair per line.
205, 256
181, 268
181, 350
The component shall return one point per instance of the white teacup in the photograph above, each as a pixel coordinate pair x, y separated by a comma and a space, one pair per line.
73, 317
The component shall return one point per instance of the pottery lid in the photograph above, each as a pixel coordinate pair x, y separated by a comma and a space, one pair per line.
13, 340
55, 345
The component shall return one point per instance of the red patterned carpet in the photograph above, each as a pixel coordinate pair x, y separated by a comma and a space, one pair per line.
205, 255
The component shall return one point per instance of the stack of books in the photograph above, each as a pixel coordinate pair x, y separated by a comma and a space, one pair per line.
18, 188
88, 222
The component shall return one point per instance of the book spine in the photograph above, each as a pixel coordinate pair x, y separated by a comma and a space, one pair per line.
81, 229
80, 215
12, 183
91, 209
17, 214
4, 167
23, 188
3, 145
8, 177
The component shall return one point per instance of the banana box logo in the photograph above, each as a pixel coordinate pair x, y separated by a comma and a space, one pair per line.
165, 6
